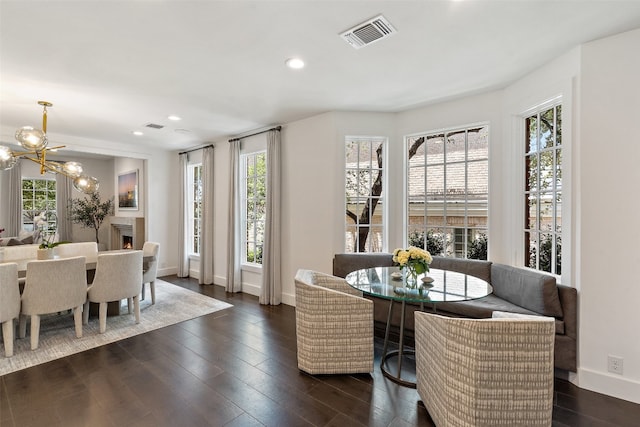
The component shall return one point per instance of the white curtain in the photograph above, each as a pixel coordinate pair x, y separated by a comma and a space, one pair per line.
14, 223
206, 226
271, 291
183, 256
63, 200
233, 231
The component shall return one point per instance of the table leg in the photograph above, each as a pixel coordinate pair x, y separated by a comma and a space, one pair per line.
400, 353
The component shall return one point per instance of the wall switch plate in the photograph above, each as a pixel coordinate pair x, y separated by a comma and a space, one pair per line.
614, 364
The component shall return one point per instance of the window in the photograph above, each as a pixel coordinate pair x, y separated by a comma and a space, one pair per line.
254, 173
38, 195
543, 190
364, 194
195, 207
448, 192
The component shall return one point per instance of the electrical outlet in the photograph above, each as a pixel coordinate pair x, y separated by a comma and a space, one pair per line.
614, 364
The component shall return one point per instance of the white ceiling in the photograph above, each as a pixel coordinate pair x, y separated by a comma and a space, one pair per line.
111, 67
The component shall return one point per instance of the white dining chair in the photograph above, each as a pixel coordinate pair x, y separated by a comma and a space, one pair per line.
149, 275
86, 249
9, 304
118, 276
53, 286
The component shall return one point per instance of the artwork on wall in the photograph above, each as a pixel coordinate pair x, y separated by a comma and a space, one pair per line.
128, 190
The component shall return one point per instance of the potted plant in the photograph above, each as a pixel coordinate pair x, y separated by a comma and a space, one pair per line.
90, 212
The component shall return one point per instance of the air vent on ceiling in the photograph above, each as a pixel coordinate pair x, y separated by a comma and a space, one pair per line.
368, 32
154, 126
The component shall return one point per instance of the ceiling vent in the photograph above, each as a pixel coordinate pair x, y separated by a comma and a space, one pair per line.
368, 32
153, 126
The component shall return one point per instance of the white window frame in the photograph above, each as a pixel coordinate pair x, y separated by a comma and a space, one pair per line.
247, 265
383, 199
191, 168
51, 219
564, 189
466, 226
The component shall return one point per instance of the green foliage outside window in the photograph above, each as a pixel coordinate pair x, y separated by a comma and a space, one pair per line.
477, 249
256, 192
435, 242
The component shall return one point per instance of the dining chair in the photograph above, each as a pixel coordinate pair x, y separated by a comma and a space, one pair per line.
334, 325
472, 372
68, 250
149, 276
118, 276
9, 304
53, 286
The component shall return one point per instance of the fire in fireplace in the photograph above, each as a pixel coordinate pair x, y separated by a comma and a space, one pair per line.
127, 242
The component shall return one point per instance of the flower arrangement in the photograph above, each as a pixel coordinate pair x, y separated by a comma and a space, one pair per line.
47, 231
415, 260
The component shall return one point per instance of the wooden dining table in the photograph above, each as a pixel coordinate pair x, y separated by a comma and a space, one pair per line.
90, 261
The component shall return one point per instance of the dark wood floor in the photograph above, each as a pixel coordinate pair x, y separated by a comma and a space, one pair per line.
235, 367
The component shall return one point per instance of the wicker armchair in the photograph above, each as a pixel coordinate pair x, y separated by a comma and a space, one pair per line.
485, 372
334, 325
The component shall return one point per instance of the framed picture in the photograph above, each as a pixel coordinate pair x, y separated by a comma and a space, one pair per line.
128, 190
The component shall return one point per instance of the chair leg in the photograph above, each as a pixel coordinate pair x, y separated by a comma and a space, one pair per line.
85, 313
129, 305
136, 307
22, 326
77, 317
7, 336
152, 285
102, 317
35, 331
143, 292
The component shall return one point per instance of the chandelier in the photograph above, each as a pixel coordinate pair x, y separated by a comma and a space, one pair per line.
35, 142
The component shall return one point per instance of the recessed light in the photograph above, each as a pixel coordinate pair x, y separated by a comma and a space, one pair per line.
174, 118
137, 133
295, 63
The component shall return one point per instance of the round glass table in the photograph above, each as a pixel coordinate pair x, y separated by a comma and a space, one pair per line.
433, 287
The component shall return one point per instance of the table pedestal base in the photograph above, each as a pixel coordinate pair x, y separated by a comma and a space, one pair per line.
399, 354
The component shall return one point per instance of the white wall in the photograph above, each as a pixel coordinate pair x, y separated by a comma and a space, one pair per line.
609, 177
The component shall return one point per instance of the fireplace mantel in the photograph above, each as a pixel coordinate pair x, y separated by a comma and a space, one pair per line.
126, 226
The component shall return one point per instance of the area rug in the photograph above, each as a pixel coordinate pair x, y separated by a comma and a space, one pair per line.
57, 333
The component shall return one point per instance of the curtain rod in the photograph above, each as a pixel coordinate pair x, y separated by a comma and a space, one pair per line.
196, 149
278, 128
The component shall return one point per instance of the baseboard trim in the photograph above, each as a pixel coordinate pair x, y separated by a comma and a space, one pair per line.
609, 384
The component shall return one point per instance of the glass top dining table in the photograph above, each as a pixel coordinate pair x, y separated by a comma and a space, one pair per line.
392, 284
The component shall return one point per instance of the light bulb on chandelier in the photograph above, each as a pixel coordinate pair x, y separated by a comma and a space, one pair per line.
35, 141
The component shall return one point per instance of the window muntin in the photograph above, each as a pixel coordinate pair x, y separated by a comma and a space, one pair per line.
448, 192
543, 190
254, 176
38, 196
195, 207
365, 182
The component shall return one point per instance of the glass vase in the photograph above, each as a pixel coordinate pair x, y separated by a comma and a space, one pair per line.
411, 276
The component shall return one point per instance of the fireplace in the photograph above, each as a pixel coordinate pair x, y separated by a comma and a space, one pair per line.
127, 242
126, 233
